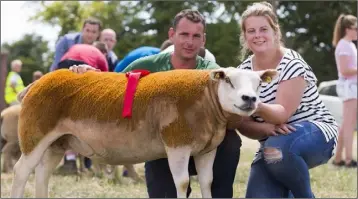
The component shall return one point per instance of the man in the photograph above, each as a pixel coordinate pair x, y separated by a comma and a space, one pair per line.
90, 32
188, 36
108, 36
93, 55
36, 75
134, 55
14, 83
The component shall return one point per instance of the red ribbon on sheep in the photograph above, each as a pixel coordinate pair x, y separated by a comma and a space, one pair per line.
133, 79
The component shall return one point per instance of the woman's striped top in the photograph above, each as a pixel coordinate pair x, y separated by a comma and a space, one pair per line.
311, 107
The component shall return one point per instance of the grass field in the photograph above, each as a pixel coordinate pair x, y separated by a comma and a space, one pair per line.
327, 182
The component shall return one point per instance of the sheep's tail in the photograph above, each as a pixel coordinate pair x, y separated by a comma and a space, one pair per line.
22, 94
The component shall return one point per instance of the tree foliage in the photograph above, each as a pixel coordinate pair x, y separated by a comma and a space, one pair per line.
307, 26
310, 28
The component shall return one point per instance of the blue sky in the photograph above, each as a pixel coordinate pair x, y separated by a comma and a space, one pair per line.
14, 23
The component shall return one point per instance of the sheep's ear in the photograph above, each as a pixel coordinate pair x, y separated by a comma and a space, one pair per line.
217, 74
268, 75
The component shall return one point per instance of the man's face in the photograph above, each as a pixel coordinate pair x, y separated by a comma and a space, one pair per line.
36, 76
109, 39
90, 33
17, 68
188, 38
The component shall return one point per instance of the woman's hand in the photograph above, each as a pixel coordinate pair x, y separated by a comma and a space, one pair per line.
284, 129
80, 69
257, 131
275, 130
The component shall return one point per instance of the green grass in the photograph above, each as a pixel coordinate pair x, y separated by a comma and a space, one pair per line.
340, 183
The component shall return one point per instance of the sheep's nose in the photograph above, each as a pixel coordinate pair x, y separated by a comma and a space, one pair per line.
247, 98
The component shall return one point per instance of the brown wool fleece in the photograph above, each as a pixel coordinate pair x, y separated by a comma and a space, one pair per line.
99, 96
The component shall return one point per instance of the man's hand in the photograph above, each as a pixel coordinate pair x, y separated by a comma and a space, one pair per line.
80, 69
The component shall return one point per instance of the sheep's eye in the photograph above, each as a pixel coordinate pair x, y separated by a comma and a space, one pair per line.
227, 80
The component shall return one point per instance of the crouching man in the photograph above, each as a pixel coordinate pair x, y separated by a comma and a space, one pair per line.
188, 36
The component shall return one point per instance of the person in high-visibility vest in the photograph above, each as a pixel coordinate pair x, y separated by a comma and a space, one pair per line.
14, 83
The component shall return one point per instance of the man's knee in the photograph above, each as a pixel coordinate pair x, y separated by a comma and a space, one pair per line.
228, 152
159, 180
225, 165
156, 167
231, 143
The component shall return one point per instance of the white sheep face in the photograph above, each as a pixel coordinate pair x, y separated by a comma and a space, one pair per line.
238, 88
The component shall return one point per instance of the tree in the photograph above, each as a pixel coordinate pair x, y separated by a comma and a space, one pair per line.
66, 14
31, 50
307, 26
116, 15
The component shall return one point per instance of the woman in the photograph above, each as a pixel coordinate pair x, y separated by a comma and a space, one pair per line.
345, 32
295, 129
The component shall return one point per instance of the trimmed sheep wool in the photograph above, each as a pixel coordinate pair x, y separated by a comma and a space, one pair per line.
99, 97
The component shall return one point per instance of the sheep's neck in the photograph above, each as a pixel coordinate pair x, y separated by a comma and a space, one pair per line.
220, 114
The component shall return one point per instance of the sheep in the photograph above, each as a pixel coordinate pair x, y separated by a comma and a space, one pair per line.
175, 114
10, 149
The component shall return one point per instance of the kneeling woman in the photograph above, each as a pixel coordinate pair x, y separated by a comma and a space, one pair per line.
295, 129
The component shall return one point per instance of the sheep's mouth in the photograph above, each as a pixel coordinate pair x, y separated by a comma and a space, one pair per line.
245, 107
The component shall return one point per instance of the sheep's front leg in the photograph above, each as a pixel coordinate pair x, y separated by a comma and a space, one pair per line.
204, 167
178, 159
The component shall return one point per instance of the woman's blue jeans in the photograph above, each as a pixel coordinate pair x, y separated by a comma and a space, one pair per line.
274, 175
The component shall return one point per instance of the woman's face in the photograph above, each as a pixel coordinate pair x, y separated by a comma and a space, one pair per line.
259, 35
352, 32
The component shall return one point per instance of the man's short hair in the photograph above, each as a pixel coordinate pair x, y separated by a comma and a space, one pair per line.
93, 21
16, 62
101, 46
192, 15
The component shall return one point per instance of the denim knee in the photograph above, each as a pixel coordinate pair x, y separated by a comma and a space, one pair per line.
277, 148
307, 141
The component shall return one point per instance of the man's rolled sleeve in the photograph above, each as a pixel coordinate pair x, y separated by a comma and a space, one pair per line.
59, 52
